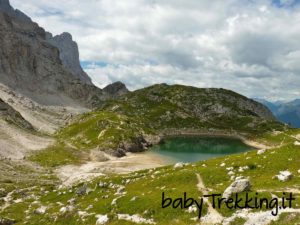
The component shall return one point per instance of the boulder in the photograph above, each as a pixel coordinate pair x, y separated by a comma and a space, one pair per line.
41, 210
261, 151
102, 219
284, 175
297, 143
239, 185
5, 221
82, 190
179, 165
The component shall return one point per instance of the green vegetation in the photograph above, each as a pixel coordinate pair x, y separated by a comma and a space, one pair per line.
146, 188
156, 110
153, 111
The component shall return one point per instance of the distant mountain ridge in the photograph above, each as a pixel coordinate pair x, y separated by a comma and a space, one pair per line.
287, 112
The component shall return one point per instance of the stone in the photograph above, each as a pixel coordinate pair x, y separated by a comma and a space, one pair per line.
239, 185
192, 209
135, 219
230, 173
66, 209
261, 151
297, 143
82, 190
69, 55
41, 210
102, 219
5, 221
284, 175
133, 198
179, 165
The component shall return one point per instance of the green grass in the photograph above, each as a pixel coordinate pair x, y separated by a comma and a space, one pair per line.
56, 155
147, 186
151, 111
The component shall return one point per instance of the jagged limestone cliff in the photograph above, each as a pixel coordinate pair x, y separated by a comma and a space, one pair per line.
35, 67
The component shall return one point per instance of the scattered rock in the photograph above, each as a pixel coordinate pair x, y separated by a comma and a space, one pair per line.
102, 184
67, 209
82, 190
284, 175
134, 198
297, 143
230, 173
192, 209
223, 164
179, 165
120, 190
5, 221
41, 210
102, 219
239, 185
261, 151
135, 219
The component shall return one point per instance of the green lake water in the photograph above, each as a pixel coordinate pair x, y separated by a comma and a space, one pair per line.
193, 149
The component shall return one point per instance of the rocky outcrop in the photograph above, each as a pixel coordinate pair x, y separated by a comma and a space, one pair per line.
116, 89
7, 8
11, 116
32, 66
241, 184
69, 55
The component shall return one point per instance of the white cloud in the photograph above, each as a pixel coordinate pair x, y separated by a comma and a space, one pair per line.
248, 46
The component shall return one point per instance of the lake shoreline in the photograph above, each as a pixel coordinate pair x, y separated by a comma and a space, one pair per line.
223, 134
134, 162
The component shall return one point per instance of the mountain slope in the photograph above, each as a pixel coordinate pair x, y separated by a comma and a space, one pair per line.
69, 55
138, 119
288, 112
32, 66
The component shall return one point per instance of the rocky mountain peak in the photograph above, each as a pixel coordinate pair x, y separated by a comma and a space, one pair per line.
69, 55
5, 7
116, 89
41, 67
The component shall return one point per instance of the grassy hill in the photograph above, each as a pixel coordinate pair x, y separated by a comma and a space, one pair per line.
133, 121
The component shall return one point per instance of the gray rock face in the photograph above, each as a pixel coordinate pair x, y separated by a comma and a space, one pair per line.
116, 89
30, 65
239, 185
69, 55
6, 8
12, 116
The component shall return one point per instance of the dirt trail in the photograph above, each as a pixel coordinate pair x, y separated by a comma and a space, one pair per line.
212, 216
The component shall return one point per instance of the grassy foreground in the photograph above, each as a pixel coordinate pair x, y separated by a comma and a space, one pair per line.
141, 192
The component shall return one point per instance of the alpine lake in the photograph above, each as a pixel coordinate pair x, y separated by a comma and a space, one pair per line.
194, 148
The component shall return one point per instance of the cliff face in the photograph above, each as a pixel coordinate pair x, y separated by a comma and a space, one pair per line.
69, 55
36, 68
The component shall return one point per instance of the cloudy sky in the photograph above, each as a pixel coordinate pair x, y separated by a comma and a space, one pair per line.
249, 46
